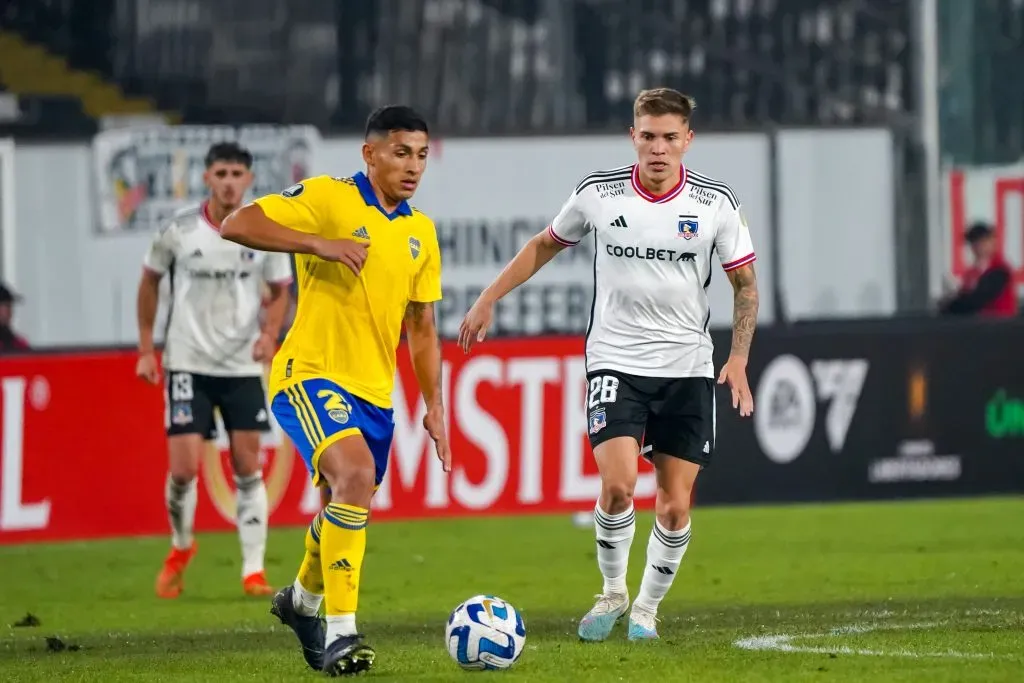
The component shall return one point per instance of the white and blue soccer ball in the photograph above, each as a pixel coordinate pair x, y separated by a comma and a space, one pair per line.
485, 632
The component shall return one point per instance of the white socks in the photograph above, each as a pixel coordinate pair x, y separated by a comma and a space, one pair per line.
614, 536
251, 496
305, 603
665, 551
252, 518
340, 625
181, 511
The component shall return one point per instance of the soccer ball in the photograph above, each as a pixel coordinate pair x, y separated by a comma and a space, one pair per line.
485, 632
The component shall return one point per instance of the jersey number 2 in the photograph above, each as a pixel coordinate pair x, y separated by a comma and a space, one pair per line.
602, 390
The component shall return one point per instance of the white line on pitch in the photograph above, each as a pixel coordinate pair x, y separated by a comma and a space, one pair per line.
784, 643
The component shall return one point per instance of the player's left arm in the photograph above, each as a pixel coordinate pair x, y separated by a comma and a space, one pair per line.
425, 346
736, 252
744, 309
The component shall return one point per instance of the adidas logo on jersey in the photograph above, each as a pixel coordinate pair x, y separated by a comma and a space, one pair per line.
361, 233
620, 222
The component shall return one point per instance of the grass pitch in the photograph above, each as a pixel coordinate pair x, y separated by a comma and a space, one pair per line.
925, 591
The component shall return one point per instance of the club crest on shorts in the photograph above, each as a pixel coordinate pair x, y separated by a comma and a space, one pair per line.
414, 247
687, 227
181, 414
598, 420
337, 408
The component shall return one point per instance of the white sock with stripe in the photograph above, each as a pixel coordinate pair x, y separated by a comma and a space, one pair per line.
614, 537
181, 511
252, 513
665, 552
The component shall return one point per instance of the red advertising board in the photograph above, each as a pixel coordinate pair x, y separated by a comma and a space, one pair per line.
84, 454
993, 194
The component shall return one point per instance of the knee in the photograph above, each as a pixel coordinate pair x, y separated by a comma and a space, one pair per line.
674, 513
247, 467
350, 482
245, 457
616, 496
183, 476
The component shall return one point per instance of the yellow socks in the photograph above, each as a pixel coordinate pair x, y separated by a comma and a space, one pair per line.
311, 574
342, 546
308, 588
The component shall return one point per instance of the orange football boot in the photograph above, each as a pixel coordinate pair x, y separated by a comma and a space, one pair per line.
170, 581
256, 585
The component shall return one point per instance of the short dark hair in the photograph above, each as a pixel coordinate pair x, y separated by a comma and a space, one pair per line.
661, 101
391, 117
230, 152
978, 231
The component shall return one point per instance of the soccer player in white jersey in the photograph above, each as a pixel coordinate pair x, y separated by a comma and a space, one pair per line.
657, 227
214, 352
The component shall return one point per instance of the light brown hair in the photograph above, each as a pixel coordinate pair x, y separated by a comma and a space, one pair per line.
662, 101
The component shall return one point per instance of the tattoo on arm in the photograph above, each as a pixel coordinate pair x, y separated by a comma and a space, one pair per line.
744, 315
418, 312
415, 310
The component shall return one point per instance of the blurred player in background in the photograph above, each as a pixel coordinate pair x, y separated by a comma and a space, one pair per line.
10, 341
214, 356
987, 287
365, 261
657, 227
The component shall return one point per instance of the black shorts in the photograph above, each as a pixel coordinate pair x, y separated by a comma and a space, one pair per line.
674, 416
191, 399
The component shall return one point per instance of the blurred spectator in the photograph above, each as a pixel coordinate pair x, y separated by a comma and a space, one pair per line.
987, 286
9, 341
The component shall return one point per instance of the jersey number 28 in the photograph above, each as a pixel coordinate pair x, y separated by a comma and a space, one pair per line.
602, 390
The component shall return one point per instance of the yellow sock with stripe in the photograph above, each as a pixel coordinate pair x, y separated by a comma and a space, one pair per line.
342, 546
308, 589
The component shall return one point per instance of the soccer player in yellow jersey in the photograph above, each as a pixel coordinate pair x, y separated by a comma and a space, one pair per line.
365, 262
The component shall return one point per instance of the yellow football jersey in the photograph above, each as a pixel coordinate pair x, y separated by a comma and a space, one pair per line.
347, 327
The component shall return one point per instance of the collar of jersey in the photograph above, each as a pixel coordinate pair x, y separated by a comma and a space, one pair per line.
370, 197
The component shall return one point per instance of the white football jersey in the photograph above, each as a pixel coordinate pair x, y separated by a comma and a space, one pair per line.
652, 267
216, 294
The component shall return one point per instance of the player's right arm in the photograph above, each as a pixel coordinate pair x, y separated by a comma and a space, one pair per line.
566, 230
157, 261
293, 222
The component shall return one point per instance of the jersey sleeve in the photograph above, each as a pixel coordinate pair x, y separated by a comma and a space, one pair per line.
571, 224
304, 206
732, 239
277, 268
160, 253
426, 286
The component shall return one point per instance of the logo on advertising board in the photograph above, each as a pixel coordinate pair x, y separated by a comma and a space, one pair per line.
1004, 416
145, 175
788, 394
506, 464
19, 396
916, 459
784, 420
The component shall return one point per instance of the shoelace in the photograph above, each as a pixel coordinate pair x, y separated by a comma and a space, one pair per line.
644, 618
606, 604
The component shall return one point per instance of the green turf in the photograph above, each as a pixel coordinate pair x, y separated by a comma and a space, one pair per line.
927, 591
